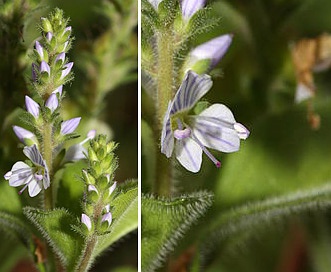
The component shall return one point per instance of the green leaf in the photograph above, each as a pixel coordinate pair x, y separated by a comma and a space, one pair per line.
125, 214
55, 227
247, 221
164, 222
15, 227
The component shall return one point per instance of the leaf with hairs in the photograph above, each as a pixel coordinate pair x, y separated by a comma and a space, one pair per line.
165, 221
55, 227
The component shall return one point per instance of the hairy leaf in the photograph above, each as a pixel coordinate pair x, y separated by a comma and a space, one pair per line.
249, 219
164, 221
55, 227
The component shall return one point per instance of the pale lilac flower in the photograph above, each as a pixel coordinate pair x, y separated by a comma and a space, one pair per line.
34, 71
91, 188
189, 135
86, 221
35, 178
58, 90
77, 152
112, 188
155, 3
107, 217
212, 50
39, 50
67, 69
107, 208
52, 103
23, 134
32, 106
61, 57
49, 36
44, 67
70, 125
190, 7
67, 29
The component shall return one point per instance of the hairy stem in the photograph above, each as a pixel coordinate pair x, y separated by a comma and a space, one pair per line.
165, 77
85, 260
165, 80
48, 157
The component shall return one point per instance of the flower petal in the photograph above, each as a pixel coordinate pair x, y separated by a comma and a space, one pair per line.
67, 69
35, 187
44, 67
112, 188
58, 90
214, 49
52, 103
61, 57
107, 217
70, 125
242, 131
86, 221
193, 87
167, 138
22, 133
155, 3
32, 106
21, 173
39, 50
34, 155
189, 7
189, 154
49, 36
214, 127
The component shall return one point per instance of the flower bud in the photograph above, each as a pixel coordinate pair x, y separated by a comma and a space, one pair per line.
46, 25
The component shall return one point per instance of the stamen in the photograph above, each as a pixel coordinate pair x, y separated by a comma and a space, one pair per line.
206, 151
30, 178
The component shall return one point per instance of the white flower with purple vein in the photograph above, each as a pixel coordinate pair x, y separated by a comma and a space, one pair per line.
35, 177
215, 127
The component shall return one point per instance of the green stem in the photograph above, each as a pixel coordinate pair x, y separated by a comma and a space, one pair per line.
163, 182
165, 77
165, 83
48, 157
87, 255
